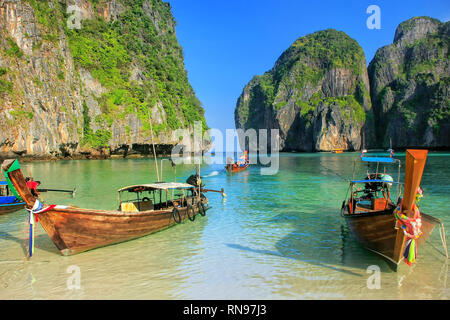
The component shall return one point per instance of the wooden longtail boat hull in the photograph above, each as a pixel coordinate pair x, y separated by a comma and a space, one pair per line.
376, 230
236, 169
11, 207
74, 230
377, 233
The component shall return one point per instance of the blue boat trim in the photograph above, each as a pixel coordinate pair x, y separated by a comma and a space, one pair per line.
375, 180
7, 199
12, 204
378, 159
3, 183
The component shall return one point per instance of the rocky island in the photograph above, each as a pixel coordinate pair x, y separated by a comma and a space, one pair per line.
321, 95
91, 90
409, 83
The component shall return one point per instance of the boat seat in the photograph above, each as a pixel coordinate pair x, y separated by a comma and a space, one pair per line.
128, 207
144, 205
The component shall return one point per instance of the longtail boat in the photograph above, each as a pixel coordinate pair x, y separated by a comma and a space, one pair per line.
240, 165
392, 230
153, 207
8, 201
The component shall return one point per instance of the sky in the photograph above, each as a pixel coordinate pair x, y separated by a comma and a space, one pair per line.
226, 43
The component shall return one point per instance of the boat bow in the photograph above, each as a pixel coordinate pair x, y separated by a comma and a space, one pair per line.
14, 176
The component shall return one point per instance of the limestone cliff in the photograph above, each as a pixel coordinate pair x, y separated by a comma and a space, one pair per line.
317, 95
410, 86
93, 88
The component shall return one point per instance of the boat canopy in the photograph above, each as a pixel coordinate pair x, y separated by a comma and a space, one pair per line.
378, 159
156, 186
3, 183
8, 200
375, 180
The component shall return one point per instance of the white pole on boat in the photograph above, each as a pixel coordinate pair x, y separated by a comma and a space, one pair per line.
199, 187
153, 143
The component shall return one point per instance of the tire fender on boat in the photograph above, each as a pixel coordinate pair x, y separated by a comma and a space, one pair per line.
190, 209
201, 208
176, 215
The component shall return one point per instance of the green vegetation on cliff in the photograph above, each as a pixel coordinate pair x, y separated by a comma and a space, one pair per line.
5, 85
302, 67
12, 49
413, 98
317, 95
130, 47
111, 50
335, 49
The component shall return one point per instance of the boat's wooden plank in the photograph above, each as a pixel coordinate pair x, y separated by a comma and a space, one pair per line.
75, 230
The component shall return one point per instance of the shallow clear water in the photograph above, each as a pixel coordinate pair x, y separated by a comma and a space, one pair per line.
273, 237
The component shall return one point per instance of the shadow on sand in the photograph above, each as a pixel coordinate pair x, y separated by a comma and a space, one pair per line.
42, 242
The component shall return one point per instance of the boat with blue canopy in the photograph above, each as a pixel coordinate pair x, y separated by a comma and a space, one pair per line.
8, 201
378, 159
143, 209
240, 165
382, 212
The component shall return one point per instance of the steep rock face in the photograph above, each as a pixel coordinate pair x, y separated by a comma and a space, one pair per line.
68, 91
317, 95
410, 86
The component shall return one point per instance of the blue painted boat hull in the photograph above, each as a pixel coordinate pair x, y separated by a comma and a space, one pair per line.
7, 207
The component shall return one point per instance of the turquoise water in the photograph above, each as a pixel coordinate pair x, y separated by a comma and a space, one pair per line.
273, 237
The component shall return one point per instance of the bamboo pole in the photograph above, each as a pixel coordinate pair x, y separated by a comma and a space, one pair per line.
153, 144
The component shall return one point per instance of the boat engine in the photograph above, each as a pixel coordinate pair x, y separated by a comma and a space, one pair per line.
195, 180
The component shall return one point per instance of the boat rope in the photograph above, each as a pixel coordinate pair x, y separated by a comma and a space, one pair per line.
333, 172
37, 208
442, 234
31, 220
343, 204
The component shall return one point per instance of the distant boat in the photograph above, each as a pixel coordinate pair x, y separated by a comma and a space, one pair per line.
8, 201
240, 165
370, 212
236, 168
339, 150
153, 207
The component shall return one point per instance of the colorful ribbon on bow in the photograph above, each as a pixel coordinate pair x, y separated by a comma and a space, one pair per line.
38, 207
411, 228
31, 220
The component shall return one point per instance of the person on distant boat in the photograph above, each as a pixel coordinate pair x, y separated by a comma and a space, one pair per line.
32, 185
243, 160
